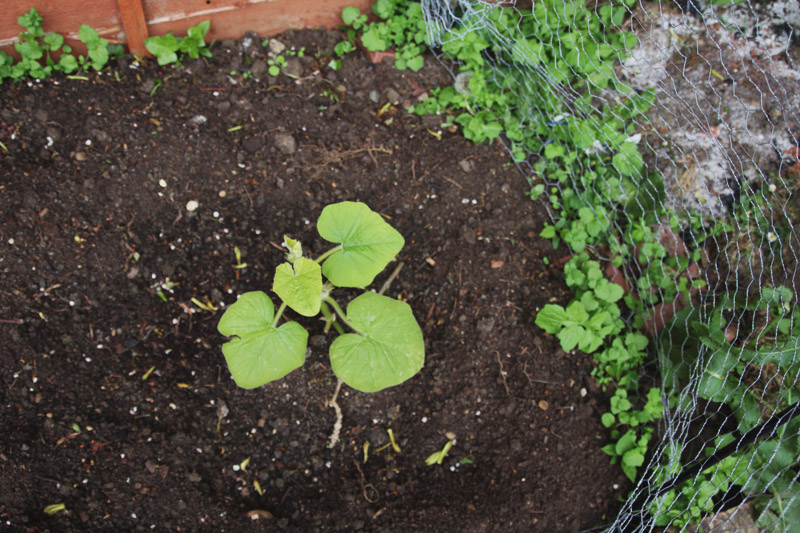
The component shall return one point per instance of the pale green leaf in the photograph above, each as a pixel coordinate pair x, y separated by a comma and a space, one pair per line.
577, 313
372, 41
86, 33
388, 348
368, 243
259, 353
551, 318
300, 285
350, 14
570, 336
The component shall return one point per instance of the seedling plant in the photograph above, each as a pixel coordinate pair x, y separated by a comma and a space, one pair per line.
169, 49
384, 346
37, 50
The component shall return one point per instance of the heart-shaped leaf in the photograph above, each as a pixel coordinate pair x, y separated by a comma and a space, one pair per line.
368, 243
260, 353
300, 285
388, 348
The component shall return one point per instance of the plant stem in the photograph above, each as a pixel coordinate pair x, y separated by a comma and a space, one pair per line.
281, 309
337, 426
330, 320
388, 282
340, 313
324, 256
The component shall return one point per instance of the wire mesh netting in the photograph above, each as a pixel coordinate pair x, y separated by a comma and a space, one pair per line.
662, 136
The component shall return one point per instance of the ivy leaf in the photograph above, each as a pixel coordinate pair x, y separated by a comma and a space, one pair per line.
388, 348
260, 353
300, 285
368, 243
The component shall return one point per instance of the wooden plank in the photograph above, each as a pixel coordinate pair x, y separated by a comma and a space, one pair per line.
229, 18
135, 26
64, 17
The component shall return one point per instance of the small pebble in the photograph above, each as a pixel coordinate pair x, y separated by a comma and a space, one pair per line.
162, 182
192, 205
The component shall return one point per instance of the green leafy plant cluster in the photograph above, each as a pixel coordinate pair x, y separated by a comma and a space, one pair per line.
592, 323
593, 316
401, 28
169, 49
569, 44
385, 347
769, 470
732, 354
38, 51
588, 161
279, 62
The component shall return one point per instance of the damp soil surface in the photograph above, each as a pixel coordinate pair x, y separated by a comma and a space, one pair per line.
114, 395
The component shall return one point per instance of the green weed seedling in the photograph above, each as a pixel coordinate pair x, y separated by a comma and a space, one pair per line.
402, 27
167, 47
35, 48
385, 347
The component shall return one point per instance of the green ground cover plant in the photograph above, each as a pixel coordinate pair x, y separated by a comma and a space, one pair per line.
42, 54
575, 45
588, 164
385, 346
169, 49
589, 167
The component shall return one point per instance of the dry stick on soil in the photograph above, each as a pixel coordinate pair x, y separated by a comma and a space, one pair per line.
365, 486
337, 426
502, 372
337, 155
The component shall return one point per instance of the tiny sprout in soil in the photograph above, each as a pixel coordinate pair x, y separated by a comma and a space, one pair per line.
386, 347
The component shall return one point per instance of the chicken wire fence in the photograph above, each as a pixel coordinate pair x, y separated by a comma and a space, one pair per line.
662, 136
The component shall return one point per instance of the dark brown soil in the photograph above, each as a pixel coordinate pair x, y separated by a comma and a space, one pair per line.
118, 404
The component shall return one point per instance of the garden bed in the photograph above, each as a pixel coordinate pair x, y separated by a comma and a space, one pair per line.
117, 402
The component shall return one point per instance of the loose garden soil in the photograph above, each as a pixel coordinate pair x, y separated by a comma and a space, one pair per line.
117, 402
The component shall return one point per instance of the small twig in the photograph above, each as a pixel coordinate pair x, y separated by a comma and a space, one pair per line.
11, 321
502, 372
365, 486
454, 182
337, 426
388, 282
532, 381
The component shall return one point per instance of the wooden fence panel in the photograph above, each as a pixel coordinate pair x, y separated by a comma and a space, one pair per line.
229, 18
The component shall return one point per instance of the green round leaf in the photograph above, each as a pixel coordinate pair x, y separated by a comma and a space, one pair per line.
300, 287
388, 348
260, 353
350, 14
368, 243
